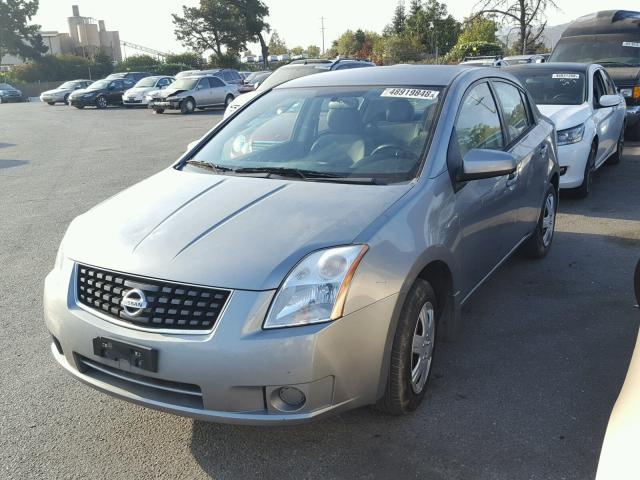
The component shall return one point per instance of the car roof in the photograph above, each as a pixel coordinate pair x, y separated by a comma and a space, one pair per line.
397, 75
605, 21
564, 66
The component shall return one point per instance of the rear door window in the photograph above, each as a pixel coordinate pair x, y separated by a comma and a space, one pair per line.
513, 110
216, 82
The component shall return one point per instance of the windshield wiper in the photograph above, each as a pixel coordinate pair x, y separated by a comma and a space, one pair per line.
286, 172
209, 166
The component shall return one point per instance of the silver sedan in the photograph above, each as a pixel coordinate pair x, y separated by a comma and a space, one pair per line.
306, 255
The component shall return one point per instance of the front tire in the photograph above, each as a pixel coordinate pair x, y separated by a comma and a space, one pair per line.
51, 103
539, 244
66, 99
158, 110
101, 103
412, 351
584, 189
79, 107
188, 105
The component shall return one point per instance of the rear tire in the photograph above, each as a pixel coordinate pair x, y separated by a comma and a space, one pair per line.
187, 106
584, 190
539, 244
412, 351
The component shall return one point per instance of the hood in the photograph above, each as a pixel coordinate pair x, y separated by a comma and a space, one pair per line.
223, 231
566, 116
624, 76
244, 98
169, 92
141, 90
57, 90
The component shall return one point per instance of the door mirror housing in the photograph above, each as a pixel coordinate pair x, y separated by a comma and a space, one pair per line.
482, 163
609, 101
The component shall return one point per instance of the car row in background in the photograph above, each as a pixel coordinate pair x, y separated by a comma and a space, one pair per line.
588, 112
295, 69
9, 93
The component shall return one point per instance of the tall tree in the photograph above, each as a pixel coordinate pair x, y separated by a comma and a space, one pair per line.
213, 25
399, 17
16, 36
255, 12
277, 45
529, 16
433, 27
478, 29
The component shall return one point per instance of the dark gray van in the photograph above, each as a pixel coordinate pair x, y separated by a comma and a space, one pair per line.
612, 39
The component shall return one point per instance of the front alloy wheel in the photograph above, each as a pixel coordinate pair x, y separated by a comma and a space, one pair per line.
101, 102
188, 106
422, 347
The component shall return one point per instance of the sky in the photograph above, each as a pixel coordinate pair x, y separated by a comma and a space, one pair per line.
298, 22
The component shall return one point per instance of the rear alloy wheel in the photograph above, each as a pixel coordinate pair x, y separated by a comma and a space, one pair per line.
617, 156
584, 189
540, 241
188, 105
101, 102
412, 351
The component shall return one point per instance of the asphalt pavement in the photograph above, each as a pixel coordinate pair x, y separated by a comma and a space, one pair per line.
525, 392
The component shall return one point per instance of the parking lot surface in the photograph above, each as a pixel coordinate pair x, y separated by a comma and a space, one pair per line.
525, 391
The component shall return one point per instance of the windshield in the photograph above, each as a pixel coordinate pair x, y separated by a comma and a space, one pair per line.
620, 49
99, 85
553, 87
146, 82
284, 74
69, 85
184, 84
376, 133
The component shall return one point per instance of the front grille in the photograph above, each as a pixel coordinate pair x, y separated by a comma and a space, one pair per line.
168, 305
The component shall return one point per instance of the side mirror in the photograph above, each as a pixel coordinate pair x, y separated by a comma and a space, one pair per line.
609, 101
480, 163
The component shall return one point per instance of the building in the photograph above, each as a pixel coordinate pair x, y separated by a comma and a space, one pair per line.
86, 37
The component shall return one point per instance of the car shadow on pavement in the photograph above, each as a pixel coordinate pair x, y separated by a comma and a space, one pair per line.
12, 163
5, 145
525, 391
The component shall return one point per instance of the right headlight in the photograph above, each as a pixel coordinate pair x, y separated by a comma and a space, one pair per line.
316, 289
570, 135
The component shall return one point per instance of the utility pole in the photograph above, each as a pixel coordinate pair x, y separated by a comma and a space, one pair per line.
322, 30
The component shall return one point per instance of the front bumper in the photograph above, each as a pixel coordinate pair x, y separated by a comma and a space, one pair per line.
236, 370
84, 102
133, 101
51, 98
166, 104
633, 115
573, 158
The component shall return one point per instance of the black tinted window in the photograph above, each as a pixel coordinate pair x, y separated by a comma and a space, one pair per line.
216, 82
478, 123
513, 109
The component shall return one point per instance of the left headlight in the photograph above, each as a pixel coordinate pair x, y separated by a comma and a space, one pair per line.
570, 135
316, 289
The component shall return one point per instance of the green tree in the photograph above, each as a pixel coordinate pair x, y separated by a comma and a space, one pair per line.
277, 45
478, 29
399, 19
432, 26
313, 51
16, 36
213, 25
190, 59
254, 14
391, 49
297, 50
137, 62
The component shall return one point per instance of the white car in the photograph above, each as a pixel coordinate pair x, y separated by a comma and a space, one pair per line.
588, 112
138, 94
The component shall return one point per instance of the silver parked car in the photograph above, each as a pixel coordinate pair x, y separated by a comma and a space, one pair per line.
138, 94
61, 94
188, 93
301, 258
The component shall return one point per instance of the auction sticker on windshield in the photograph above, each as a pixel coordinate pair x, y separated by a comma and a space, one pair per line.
419, 93
565, 76
631, 44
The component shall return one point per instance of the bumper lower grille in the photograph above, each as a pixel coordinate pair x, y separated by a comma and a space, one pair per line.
149, 303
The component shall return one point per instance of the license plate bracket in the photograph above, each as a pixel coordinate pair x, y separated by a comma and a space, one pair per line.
139, 356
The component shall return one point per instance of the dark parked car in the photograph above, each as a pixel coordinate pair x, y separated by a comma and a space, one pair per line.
135, 76
252, 81
102, 93
610, 38
10, 94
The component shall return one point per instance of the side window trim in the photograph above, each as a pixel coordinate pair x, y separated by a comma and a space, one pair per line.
509, 142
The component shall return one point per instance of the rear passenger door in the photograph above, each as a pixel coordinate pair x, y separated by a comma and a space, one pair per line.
486, 207
218, 92
529, 147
